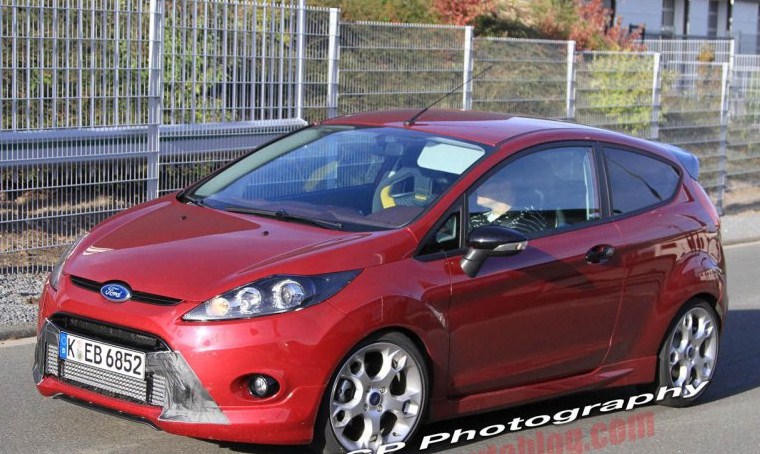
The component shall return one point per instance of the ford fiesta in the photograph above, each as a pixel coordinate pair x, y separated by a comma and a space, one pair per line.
343, 285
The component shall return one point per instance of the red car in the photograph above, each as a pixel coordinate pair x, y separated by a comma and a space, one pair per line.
344, 284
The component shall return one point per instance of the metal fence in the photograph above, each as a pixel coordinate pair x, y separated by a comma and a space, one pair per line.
616, 90
524, 75
718, 50
386, 65
694, 116
79, 114
236, 74
107, 104
743, 153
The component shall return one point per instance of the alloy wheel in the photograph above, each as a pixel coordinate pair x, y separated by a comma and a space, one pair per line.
377, 397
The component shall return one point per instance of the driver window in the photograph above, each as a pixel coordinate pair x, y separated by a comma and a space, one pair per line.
540, 192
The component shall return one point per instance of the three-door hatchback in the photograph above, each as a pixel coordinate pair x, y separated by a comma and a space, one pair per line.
346, 283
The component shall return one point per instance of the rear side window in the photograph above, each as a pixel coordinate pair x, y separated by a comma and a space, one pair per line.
638, 181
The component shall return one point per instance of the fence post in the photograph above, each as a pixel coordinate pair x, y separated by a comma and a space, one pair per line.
723, 138
54, 65
2, 77
300, 46
654, 131
155, 91
570, 104
333, 61
467, 69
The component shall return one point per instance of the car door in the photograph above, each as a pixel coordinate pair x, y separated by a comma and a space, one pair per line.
549, 311
657, 238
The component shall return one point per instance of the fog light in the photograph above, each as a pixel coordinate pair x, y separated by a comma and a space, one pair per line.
262, 386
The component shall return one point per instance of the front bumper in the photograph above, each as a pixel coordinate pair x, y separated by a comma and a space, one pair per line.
205, 366
173, 399
169, 384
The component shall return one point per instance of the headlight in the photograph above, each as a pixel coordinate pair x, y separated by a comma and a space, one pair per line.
55, 274
271, 296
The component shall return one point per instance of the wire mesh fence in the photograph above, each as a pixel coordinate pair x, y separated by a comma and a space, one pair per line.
394, 66
615, 90
319, 62
694, 116
230, 61
104, 105
523, 76
235, 74
743, 153
73, 64
78, 117
692, 50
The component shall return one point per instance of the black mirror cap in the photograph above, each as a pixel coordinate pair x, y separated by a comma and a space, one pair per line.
494, 238
487, 241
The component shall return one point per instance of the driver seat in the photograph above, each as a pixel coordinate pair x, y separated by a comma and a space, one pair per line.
404, 187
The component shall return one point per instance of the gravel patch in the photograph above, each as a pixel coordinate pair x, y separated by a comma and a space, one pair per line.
19, 294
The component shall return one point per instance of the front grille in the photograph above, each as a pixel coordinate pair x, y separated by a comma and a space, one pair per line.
169, 382
115, 334
150, 391
142, 297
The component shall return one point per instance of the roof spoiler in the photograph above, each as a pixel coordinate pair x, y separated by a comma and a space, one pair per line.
688, 160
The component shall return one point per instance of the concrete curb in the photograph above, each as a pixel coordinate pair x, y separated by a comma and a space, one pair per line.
736, 241
740, 228
17, 332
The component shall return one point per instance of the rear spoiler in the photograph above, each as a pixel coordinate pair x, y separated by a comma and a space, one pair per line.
688, 160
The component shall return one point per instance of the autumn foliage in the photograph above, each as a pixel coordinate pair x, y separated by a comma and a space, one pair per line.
462, 12
587, 22
595, 29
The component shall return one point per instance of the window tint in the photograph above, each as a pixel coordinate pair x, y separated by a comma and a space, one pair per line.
638, 181
539, 192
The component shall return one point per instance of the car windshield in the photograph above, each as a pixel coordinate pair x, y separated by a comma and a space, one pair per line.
342, 177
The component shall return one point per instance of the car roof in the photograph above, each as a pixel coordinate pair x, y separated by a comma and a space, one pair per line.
492, 129
484, 127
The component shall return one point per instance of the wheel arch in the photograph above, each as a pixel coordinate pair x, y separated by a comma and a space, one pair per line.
419, 343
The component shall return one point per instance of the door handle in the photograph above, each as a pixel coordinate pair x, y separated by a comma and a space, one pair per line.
600, 253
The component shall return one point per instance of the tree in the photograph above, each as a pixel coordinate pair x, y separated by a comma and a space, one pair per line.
462, 12
595, 29
587, 22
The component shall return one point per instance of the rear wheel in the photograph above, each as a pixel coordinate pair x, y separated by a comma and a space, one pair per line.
689, 353
377, 396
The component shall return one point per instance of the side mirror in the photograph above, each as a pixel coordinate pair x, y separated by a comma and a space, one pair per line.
490, 241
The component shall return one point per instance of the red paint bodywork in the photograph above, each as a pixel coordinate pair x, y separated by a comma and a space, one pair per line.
538, 324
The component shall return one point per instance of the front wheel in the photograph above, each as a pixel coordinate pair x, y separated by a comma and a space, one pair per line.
689, 353
377, 396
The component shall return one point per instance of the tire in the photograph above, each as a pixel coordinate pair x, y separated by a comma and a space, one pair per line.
378, 395
689, 353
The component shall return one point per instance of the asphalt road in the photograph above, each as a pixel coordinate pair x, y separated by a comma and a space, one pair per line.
725, 420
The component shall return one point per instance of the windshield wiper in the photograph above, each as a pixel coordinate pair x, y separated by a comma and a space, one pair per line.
285, 216
185, 197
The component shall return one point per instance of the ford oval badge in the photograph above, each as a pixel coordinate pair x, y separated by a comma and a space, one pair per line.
117, 293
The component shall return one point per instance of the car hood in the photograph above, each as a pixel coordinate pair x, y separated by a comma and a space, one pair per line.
190, 252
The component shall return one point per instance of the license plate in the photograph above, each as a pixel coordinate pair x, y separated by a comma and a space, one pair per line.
101, 355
